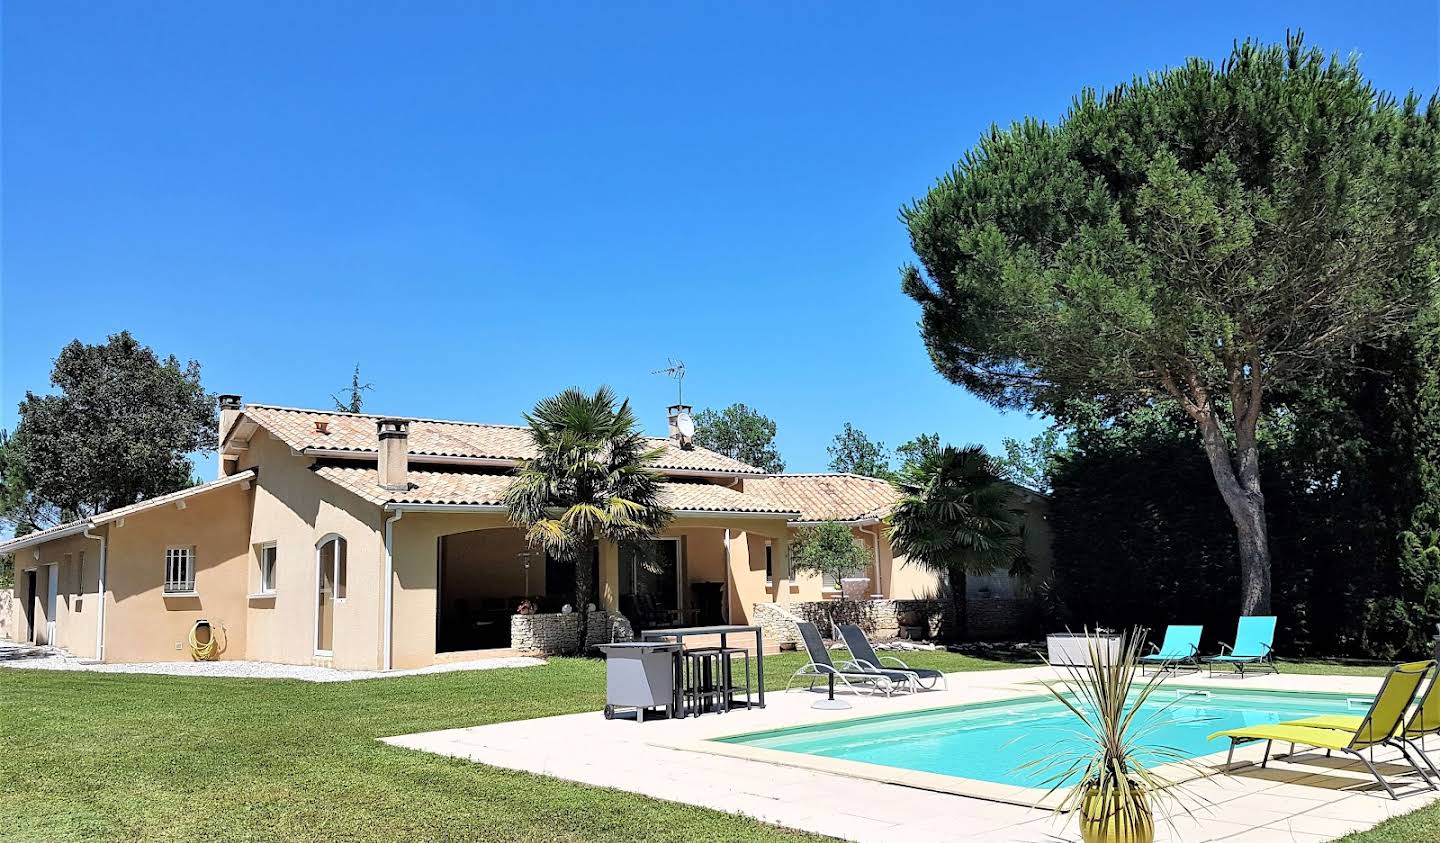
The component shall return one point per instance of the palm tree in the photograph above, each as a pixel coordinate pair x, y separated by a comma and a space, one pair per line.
955, 519
588, 481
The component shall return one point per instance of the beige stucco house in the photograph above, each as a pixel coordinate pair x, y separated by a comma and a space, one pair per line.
370, 542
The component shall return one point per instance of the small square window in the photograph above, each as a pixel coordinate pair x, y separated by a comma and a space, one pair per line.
179, 570
268, 555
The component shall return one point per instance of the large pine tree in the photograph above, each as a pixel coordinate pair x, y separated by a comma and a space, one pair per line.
1210, 235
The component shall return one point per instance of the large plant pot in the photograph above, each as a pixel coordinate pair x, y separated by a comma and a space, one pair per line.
855, 588
1102, 821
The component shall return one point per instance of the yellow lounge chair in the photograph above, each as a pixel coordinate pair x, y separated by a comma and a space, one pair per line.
1423, 720
1376, 728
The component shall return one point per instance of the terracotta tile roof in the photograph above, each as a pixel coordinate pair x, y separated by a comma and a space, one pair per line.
470, 487
428, 437
707, 497
826, 497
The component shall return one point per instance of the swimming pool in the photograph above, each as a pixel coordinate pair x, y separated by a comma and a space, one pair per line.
990, 741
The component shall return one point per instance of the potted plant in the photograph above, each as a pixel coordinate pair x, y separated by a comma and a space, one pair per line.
1108, 769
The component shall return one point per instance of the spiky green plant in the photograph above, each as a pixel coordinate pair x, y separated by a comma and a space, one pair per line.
1114, 755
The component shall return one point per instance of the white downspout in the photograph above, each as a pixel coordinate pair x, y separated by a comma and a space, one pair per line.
100, 613
388, 633
875, 546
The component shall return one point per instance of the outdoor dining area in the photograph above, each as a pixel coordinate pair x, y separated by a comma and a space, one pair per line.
661, 672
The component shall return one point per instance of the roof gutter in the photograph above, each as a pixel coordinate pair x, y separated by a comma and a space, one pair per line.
42, 536
415, 458
736, 513
849, 522
496, 507
418, 458
445, 507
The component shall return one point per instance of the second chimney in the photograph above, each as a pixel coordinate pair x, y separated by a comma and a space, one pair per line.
394, 453
682, 426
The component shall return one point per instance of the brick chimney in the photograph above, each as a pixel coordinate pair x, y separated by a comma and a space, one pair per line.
394, 453
682, 426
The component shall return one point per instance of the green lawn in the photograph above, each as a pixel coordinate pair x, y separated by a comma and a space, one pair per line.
1334, 668
132, 757
1413, 827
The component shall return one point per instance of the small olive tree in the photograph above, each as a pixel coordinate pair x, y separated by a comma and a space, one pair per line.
830, 550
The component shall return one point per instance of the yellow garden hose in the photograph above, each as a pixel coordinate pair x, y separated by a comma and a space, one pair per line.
206, 651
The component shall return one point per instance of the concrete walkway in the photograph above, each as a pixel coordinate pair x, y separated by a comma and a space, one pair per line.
1306, 799
28, 657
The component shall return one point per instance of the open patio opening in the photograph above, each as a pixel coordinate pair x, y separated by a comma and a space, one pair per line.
484, 575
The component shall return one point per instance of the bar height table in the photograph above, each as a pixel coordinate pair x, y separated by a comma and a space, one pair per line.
724, 631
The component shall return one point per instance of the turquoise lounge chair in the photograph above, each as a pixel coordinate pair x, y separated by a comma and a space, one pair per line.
1253, 648
1180, 647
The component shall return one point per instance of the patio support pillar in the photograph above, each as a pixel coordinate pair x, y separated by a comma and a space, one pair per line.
609, 585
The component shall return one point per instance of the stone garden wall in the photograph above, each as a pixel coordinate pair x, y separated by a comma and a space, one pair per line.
993, 618
554, 633
777, 624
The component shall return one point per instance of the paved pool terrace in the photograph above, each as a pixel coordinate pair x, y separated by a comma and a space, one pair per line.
1300, 800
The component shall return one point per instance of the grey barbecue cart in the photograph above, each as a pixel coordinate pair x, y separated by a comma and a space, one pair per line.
640, 675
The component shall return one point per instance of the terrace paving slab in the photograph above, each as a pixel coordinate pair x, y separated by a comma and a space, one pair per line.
1306, 798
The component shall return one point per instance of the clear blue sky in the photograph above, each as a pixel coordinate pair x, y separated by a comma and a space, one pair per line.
482, 203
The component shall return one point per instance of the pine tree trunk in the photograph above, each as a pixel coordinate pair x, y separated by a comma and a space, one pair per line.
1238, 479
1254, 557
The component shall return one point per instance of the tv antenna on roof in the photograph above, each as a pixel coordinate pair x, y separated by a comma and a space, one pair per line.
676, 370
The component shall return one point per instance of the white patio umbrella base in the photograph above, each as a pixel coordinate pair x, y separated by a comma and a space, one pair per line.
830, 703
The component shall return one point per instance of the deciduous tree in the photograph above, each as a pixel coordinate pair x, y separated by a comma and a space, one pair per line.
913, 454
1031, 463
119, 429
741, 433
854, 452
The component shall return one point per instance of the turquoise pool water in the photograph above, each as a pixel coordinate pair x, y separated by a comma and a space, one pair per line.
990, 741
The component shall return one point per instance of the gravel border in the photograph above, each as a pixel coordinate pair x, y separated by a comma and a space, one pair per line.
25, 657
